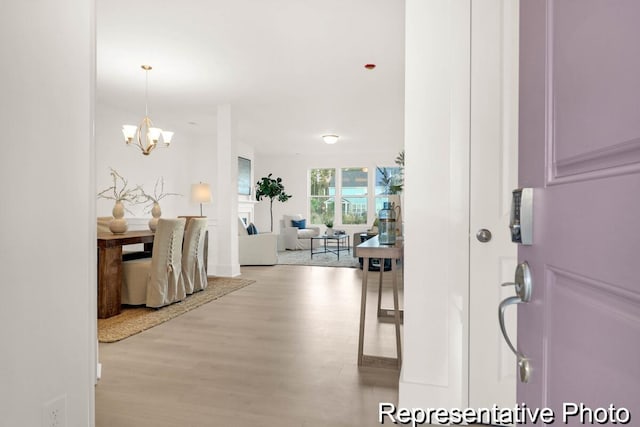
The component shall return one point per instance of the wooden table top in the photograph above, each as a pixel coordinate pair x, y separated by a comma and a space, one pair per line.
373, 249
128, 238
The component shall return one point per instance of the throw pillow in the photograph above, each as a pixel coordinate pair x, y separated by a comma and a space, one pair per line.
300, 224
242, 229
251, 229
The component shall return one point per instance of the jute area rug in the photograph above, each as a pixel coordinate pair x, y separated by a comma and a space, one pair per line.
133, 320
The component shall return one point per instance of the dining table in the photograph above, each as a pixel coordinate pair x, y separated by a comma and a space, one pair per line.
110, 260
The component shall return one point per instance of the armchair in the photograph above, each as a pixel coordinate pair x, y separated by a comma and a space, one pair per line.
256, 249
296, 238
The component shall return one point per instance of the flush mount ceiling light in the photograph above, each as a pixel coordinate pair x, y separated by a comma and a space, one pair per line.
145, 136
330, 139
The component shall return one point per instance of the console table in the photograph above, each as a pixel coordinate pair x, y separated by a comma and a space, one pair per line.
110, 267
372, 249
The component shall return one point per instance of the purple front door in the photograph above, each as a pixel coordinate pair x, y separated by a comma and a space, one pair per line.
580, 151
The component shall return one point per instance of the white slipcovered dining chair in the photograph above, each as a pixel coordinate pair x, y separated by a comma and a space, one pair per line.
103, 224
194, 274
156, 282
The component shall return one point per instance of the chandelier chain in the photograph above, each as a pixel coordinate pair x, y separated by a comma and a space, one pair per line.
146, 93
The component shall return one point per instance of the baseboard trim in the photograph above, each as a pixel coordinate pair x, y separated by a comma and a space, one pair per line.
225, 270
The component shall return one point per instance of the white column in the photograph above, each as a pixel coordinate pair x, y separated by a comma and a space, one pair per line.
434, 372
225, 199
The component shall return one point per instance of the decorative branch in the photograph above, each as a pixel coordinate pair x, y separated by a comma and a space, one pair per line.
150, 199
120, 191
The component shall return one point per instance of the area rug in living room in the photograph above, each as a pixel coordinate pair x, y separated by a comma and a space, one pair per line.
133, 320
303, 257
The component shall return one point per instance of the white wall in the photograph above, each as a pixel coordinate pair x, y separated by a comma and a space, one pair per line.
47, 237
190, 159
294, 169
434, 372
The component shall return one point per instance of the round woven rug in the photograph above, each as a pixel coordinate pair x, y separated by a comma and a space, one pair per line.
133, 320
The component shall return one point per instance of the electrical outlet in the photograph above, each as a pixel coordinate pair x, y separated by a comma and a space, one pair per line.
54, 413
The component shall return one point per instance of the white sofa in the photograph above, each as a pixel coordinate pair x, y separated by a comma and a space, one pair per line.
296, 238
256, 249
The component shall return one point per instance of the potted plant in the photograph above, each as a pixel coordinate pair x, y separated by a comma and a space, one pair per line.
273, 189
153, 202
329, 224
121, 194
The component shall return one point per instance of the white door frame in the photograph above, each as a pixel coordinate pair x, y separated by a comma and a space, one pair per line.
493, 175
435, 370
436, 211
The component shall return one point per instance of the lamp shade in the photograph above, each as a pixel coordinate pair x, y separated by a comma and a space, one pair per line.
201, 193
154, 134
166, 136
129, 131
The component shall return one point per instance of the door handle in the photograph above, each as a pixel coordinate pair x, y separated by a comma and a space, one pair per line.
501, 308
523, 286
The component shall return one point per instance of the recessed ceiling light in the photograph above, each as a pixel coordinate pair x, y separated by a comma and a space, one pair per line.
330, 139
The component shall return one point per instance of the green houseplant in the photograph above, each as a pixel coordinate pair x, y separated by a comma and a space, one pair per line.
329, 224
273, 189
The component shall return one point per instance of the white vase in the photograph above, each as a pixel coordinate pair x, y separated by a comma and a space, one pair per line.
155, 213
329, 231
118, 224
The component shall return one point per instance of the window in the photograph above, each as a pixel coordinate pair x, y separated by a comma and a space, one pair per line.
388, 181
322, 187
354, 200
359, 195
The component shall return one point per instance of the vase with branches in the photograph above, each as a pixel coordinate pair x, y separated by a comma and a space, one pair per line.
121, 194
153, 202
273, 189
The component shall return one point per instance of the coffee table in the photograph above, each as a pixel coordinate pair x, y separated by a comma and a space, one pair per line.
338, 238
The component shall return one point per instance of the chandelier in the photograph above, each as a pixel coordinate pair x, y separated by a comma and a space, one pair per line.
145, 136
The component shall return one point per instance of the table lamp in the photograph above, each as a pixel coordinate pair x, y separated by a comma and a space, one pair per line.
201, 193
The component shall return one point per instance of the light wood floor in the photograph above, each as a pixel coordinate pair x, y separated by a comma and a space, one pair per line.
280, 352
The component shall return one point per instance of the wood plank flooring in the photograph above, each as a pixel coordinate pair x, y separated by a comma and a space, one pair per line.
280, 352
